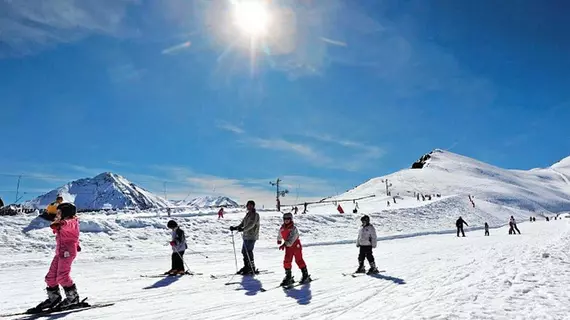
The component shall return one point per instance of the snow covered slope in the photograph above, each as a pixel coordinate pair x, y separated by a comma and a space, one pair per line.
106, 190
447, 173
211, 202
429, 277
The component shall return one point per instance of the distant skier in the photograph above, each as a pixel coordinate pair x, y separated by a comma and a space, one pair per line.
513, 225
295, 210
51, 209
486, 229
66, 229
366, 241
178, 244
1, 203
459, 224
221, 213
293, 249
305, 207
250, 227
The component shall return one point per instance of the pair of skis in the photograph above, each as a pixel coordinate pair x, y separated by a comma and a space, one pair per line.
187, 273
354, 274
81, 306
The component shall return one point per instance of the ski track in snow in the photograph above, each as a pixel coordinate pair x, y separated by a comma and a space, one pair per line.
427, 277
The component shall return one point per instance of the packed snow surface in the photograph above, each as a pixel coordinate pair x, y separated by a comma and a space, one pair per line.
425, 277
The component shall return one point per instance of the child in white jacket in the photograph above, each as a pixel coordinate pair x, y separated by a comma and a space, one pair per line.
366, 242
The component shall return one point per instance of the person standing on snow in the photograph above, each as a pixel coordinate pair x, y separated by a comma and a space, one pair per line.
250, 228
66, 229
221, 213
459, 224
486, 229
292, 246
366, 241
513, 225
51, 209
178, 244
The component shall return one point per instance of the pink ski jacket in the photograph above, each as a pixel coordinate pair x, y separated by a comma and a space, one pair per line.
67, 237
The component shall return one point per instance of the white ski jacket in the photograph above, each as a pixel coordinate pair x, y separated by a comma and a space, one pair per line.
367, 236
179, 239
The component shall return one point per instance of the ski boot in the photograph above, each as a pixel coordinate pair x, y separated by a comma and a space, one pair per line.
246, 268
373, 269
169, 272
361, 268
71, 298
54, 298
288, 281
306, 277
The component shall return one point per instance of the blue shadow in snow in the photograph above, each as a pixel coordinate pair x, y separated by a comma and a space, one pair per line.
303, 295
251, 285
393, 279
164, 282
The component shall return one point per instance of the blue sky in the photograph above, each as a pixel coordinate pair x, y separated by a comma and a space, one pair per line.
339, 92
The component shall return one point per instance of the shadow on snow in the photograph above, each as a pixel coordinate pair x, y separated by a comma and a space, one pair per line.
164, 282
393, 279
251, 286
303, 295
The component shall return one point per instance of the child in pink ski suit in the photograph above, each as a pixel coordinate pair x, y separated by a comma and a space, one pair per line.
66, 230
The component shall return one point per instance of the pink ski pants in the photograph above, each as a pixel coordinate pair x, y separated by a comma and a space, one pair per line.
59, 271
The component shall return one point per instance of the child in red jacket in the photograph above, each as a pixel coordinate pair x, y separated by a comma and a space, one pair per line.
66, 230
293, 248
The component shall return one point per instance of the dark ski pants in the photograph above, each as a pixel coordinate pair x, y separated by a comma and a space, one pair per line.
460, 229
247, 252
513, 228
365, 252
177, 261
487, 232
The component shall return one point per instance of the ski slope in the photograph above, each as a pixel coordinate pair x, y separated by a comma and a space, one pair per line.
426, 277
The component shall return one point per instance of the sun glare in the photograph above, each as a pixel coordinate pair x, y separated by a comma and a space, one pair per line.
252, 17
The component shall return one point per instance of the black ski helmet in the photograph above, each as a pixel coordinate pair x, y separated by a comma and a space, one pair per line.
172, 224
68, 210
365, 219
287, 215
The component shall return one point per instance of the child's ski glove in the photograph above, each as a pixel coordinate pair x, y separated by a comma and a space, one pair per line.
282, 247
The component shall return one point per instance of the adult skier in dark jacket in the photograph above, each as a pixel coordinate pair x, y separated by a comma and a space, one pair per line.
459, 224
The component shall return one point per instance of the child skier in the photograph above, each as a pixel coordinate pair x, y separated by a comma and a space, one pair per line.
486, 229
366, 241
293, 248
66, 229
179, 245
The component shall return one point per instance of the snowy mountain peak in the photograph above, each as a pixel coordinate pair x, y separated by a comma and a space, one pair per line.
209, 202
106, 190
562, 164
450, 174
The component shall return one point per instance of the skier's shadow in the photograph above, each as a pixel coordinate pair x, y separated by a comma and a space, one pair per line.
303, 295
164, 282
393, 279
251, 286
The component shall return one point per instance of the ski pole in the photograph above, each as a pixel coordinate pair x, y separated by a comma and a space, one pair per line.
234, 245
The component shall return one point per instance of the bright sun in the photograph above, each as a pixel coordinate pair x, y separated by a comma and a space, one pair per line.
252, 17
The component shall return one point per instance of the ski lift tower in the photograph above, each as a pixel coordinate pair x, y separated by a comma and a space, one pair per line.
278, 193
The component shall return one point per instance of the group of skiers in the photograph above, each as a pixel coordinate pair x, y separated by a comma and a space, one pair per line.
65, 226
512, 226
